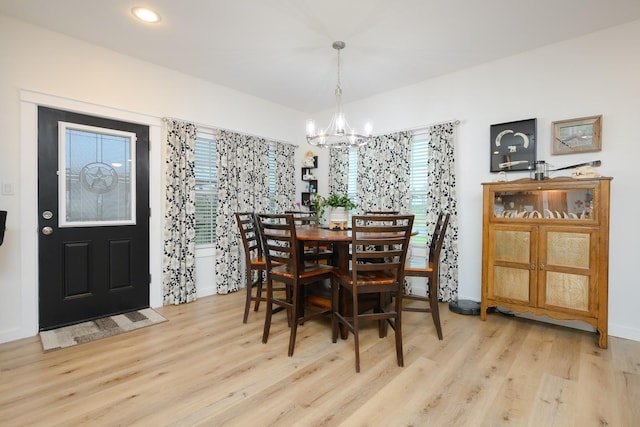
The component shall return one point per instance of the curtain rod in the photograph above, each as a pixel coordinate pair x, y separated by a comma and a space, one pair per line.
425, 127
216, 130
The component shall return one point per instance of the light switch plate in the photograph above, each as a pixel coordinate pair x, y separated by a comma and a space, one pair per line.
7, 189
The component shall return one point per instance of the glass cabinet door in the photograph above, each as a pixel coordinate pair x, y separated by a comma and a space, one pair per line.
567, 204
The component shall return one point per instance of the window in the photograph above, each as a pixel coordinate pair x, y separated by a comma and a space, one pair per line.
206, 189
272, 178
418, 187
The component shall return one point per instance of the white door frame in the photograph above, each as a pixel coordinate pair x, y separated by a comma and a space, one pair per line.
29, 102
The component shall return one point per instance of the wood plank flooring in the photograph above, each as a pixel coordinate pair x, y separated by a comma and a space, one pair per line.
204, 367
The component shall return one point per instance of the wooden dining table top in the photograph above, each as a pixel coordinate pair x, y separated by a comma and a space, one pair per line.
322, 234
325, 234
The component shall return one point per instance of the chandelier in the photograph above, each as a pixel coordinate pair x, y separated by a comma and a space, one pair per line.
338, 134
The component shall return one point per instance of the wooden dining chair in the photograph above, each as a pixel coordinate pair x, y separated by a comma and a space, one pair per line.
379, 246
313, 251
428, 268
382, 212
255, 264
285, 264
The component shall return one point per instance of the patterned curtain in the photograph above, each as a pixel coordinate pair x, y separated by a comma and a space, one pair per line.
338, 171
178, 281
243, 185
285, 188
441, 196
243, 162
384, 173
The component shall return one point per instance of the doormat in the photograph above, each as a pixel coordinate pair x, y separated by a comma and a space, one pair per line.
68, 336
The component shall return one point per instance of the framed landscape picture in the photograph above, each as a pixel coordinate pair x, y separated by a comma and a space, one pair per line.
581, 135
513, 146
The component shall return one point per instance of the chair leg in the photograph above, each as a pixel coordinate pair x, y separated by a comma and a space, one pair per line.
294, 318
269, 311
289, 298
259, 290
334, 308
247, 303
383, 306
398, 328
356, 329
433, 303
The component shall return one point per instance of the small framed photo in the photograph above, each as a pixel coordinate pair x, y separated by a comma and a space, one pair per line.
513, 146
581, 135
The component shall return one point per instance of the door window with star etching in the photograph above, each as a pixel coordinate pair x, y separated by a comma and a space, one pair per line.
96, 175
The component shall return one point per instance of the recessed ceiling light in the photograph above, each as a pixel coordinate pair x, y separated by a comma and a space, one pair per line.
145, 14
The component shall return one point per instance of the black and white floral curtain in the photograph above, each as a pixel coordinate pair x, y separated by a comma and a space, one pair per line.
384, 173
441, 196
339, 171
178, 266
243, 162
243, 186
285, 185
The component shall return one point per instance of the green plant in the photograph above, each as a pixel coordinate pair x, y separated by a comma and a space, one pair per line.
334, 200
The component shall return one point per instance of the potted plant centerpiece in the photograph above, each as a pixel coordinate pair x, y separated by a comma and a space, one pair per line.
339, 213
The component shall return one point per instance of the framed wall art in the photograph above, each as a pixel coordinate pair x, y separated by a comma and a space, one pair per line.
581, 135
513, 146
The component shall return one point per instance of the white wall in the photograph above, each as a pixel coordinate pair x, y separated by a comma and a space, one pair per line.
596, 74
590, 75
41, 67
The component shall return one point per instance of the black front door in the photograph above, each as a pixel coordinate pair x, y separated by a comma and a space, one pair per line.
93, 217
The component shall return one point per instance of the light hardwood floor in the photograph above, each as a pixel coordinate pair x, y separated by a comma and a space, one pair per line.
204, 367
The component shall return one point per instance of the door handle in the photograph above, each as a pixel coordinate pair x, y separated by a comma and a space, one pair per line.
533, 266
47, 231
542, 266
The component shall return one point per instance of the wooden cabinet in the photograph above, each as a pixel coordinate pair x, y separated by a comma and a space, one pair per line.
545, 249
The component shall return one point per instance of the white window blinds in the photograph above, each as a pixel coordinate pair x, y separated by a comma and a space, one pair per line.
206, 190
418, 187
352, 177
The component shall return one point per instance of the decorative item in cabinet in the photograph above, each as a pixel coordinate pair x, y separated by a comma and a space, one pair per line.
545, 249
309, 179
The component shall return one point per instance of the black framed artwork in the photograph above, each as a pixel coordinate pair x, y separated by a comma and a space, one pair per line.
513, 146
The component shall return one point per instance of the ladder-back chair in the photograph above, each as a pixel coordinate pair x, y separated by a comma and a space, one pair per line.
379, 246
429, 268
285, 264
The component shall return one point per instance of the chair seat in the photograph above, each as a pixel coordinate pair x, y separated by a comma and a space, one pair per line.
310, 270
261, 264
258, 263
368, 278
417, 267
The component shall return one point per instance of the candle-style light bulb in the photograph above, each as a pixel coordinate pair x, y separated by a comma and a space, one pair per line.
311, 127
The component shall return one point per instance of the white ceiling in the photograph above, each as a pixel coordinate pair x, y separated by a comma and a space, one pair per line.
280, 50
